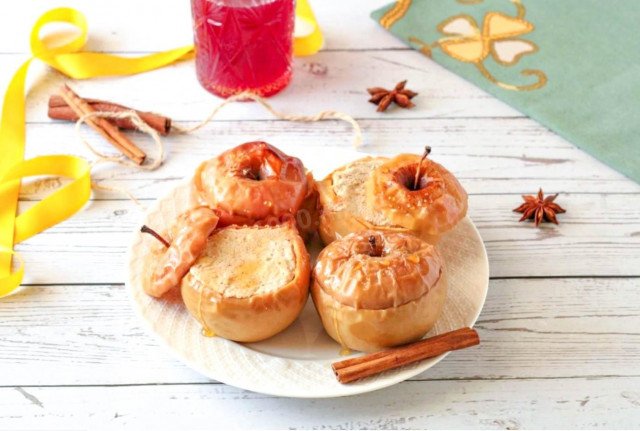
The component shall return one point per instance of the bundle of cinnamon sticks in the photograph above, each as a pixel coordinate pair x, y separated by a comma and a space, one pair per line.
67, 105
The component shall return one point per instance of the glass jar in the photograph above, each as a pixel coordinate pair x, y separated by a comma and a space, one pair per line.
243, 45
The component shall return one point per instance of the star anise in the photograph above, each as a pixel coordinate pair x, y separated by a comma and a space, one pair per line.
400, 95
539, 208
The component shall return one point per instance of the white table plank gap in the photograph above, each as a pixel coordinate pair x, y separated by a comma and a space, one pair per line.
560, 341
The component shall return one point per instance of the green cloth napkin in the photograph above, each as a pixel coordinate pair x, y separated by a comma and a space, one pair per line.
572, 65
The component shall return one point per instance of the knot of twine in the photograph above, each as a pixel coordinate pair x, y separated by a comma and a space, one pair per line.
143, 127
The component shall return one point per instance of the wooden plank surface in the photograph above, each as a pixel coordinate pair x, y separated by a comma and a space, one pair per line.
512, 404
529, 328
333, 80
598, 236
489, 156
560, 341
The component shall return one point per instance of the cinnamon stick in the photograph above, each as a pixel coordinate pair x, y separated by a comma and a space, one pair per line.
59, 110
102, 126
363, 366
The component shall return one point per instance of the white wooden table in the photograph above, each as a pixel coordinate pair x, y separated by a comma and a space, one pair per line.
561, 326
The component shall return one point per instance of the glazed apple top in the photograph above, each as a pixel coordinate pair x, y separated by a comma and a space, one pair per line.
377, 270
435, 205
254, 180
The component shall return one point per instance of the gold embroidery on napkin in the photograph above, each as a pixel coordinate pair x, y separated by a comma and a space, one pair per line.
499, 37
395, 13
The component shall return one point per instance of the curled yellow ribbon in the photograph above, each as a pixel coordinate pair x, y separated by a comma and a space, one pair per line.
70, 198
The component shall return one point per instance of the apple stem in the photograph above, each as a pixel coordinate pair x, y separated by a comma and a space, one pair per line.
156, 235
427, 151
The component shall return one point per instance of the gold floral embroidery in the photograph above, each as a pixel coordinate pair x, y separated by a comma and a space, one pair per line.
499, 37
395, 13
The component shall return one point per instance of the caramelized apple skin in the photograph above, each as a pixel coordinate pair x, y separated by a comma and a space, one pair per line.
372, 297
256, 183
188, 238
435, 206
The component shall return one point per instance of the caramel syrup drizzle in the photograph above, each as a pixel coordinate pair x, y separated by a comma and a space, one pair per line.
206, 331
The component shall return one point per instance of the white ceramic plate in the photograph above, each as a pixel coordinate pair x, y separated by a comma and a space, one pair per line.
296, 362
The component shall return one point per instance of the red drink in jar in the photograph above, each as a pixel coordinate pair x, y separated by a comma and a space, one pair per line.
243, 45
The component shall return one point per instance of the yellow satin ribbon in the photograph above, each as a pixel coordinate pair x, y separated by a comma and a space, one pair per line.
308, 37
70, 198
13, 280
